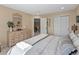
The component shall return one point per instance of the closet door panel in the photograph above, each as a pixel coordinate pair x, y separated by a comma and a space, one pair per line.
57, 26
43, 25
64, 25
61, 25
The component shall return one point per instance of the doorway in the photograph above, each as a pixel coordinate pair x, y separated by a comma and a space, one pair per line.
36, 26
40, 26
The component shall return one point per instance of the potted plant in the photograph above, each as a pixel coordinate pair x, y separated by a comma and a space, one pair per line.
10, 25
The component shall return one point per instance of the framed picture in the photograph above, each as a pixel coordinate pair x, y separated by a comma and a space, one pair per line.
17, 20
77, 19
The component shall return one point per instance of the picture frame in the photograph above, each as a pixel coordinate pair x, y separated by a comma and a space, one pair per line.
77, 19
17, 20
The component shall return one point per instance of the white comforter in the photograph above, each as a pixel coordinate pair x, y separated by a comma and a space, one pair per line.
51, 45
22, 47
46, 46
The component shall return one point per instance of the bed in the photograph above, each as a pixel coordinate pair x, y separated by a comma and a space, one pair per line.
45, 44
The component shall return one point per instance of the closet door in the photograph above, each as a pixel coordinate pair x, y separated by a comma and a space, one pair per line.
61, 25
64, 25
57, 26
43, 25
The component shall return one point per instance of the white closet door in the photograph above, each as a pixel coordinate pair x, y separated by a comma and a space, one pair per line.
43, 25
61, 25
57, 25
64, 25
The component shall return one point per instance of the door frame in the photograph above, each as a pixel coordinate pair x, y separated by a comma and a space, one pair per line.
33, 25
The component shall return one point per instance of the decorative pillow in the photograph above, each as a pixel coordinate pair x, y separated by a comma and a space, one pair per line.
23, 45
72, 36
73, 52
65, 47
77, 34
76, 42
19, 49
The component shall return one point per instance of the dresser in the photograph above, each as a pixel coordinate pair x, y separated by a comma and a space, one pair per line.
17, 36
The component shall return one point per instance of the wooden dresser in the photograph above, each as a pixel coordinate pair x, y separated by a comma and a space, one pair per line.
17, 36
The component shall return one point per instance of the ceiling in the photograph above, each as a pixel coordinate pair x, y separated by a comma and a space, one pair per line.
41, 9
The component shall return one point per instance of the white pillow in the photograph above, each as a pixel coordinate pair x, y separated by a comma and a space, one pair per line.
19, 49
77, 34
72, 36
23, 45
76, 42
75, 39
67, 48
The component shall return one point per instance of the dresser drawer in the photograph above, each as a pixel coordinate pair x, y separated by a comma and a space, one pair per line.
17, 36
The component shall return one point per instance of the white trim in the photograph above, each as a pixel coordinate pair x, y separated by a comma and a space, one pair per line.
33, 26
